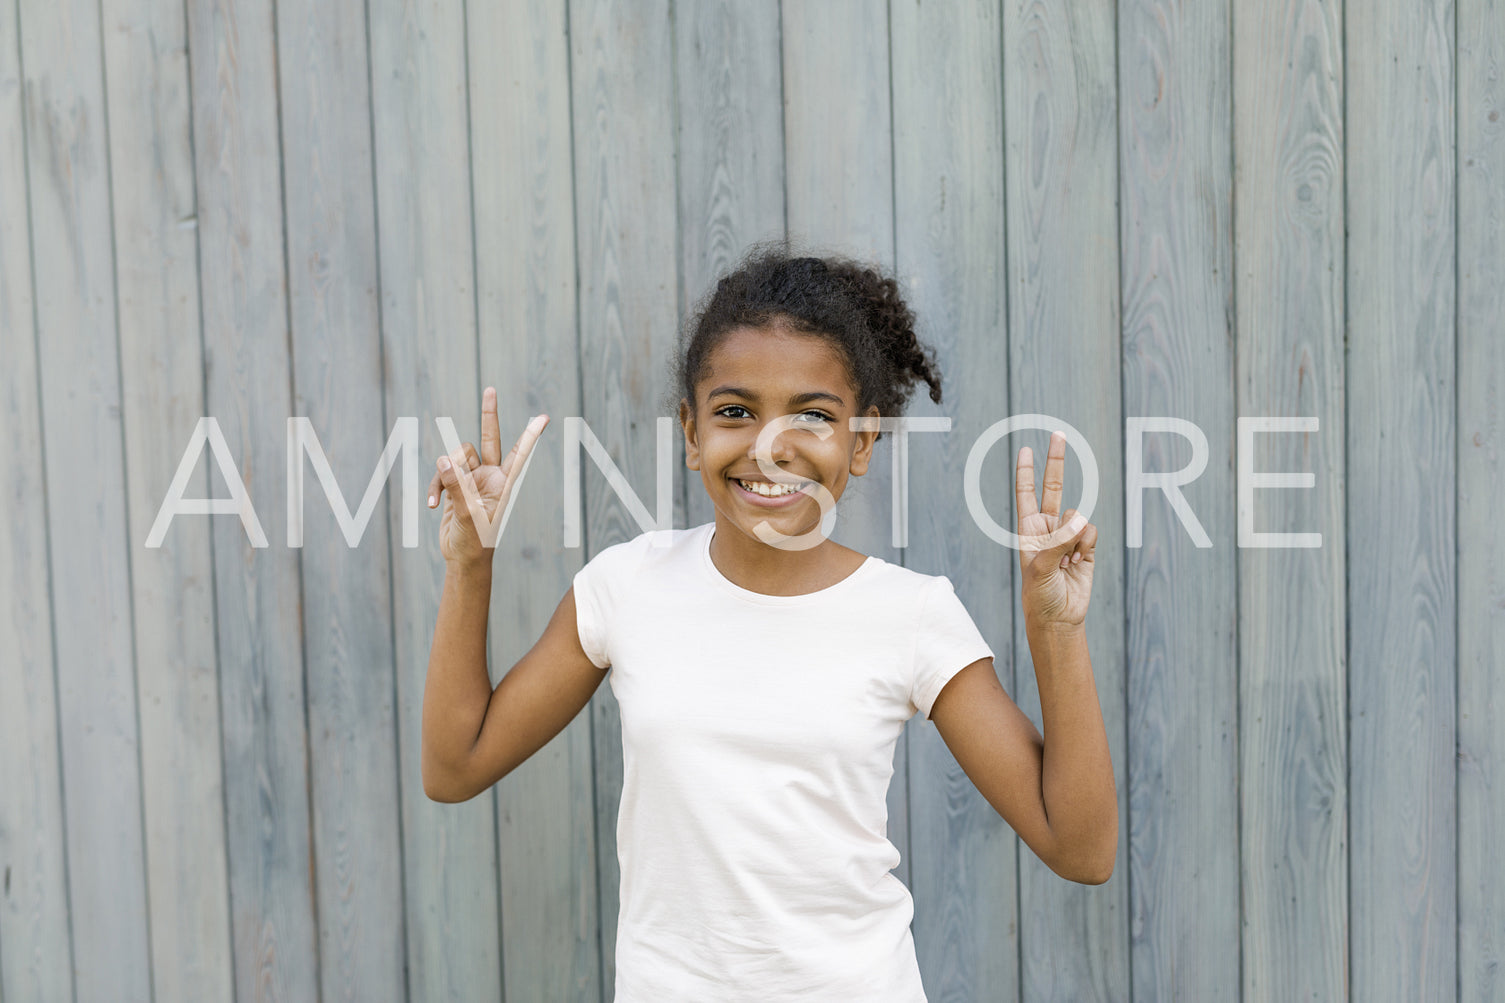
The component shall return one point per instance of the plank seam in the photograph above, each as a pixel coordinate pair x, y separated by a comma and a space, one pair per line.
219, 704
1123, 418
381, 357
36, 337
292, 387
1238, 657
146, 887
569, 83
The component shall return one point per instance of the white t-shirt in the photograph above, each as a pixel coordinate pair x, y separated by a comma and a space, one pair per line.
758, 739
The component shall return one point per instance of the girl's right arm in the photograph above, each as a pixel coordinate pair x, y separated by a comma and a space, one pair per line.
474, 735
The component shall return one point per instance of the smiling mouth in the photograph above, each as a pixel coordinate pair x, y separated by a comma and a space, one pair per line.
765, 490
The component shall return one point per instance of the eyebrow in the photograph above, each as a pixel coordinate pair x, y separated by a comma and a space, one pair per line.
804, 398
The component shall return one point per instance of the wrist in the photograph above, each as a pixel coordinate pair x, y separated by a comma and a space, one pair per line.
474, 570
1055, 628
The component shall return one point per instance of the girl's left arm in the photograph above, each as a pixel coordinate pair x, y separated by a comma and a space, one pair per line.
1057, 791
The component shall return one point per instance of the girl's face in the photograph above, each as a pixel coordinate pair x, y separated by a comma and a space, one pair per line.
755, 376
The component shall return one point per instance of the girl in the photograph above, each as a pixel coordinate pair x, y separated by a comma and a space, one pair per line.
765, 672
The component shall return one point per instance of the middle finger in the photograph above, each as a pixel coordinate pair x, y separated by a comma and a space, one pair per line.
1055, 474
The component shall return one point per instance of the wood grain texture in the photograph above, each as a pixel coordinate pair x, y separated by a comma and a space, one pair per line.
529, 349
88, 542
151, 171
337, 383
949, 238
1481, 485
838, 183
1289, 167
730, 147
258, 591
420, 123
1175, 229
1061, 132
35, 939
1401, 520
622, 109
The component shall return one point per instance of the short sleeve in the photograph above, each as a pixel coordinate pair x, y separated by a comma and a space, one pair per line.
946, 641
598, 588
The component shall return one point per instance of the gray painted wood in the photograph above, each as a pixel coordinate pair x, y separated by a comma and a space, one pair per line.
88, 544
1481, 483
525, 261
258, 592
156, 241
622, 106
730, 145
337, 383
536, 197
1175, 247
420, 125
1401, 476
1061, 131
837, 112
949, 239
35, 939
1288, 158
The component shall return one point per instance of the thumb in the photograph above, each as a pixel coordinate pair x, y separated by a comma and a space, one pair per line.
1064, 537
450, 475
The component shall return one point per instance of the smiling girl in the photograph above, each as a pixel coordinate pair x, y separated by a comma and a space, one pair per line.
764, 672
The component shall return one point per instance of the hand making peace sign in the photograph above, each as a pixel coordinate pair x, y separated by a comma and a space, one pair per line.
1055, 556
483, 483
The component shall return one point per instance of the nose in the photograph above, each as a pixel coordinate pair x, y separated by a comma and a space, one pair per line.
780, 450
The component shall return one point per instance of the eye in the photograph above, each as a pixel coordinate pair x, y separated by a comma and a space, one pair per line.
730, 407
817, 415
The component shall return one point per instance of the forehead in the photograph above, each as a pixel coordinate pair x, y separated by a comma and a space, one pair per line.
775, 360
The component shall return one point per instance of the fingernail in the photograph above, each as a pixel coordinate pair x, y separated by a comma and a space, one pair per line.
444, 463
431, 501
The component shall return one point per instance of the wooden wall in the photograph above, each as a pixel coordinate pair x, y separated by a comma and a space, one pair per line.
209, 774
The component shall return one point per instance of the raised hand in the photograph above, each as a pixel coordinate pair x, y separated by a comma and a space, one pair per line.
1056, 548
474, 487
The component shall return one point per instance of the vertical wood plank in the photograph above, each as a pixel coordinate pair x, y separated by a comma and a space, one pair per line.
1061, 118
68, 167
1288, 163
421, 148
1402, 533
257, 589
838, 143
1176, 287
323, 71
622, 103
526, 282
949, 246
1481, 485
730, 148
839, 188
151, 160
35, 939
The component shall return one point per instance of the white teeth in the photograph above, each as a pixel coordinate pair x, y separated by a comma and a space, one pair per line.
769, 490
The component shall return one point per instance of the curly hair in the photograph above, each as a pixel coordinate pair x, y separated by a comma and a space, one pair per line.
851, 305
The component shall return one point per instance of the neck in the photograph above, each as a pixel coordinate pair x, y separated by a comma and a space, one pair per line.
764, 568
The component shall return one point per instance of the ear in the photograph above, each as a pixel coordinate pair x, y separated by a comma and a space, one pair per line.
692, 446
863, 453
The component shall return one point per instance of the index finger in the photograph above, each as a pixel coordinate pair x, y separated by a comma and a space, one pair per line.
522, 450
491, 431
1024, 484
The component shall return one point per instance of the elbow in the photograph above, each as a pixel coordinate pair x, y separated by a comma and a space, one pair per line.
444, 786
1092, 863
1097, 873
1095, 870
